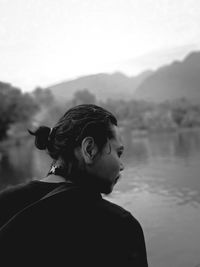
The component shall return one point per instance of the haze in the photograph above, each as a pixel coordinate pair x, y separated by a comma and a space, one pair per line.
49, 41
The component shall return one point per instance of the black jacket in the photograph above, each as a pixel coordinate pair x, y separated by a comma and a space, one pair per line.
72, 226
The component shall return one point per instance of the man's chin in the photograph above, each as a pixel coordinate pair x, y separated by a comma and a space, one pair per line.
107, 189
102, 185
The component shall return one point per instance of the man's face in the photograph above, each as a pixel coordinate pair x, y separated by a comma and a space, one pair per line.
108, 165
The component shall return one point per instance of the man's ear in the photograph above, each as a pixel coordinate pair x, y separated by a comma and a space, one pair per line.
89, 149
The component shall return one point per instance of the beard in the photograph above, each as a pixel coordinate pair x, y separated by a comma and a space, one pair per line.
93, 182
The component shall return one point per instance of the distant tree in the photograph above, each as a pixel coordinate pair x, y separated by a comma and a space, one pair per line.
179, 110
50, 115
43, 97
14, 107
110, 105
83, 97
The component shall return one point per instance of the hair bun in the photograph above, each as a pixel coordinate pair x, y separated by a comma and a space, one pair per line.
41, 137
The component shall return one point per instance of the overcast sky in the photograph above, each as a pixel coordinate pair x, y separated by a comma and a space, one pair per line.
43, 42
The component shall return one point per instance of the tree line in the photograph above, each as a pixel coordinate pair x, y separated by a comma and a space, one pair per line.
138, 115
27, 109
18, 108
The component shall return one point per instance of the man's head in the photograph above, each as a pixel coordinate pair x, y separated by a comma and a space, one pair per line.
86, 140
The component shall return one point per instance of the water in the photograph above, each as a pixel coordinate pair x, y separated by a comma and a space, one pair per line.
160, 186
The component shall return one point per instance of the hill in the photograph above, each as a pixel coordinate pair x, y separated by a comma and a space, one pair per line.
104, 86
177, 80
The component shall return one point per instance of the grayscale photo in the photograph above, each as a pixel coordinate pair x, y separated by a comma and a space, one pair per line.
100, 133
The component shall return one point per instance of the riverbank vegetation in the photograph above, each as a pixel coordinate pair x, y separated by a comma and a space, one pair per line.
19, 111
138, 115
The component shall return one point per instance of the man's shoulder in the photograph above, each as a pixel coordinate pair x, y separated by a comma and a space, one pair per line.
14, 189
115, 208
117, 211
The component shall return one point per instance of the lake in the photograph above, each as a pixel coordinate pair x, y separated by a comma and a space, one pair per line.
160, 186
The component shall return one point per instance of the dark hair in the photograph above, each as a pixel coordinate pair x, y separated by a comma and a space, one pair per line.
77, 123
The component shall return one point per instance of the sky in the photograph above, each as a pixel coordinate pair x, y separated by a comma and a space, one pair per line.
44, 42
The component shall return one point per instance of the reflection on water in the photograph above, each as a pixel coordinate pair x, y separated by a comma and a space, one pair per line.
21, 162
167, 163
16, 164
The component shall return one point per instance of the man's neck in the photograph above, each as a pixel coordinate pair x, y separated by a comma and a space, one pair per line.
52, 178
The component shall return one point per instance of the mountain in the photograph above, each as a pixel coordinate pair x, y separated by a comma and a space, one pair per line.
181, 79
104, 86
